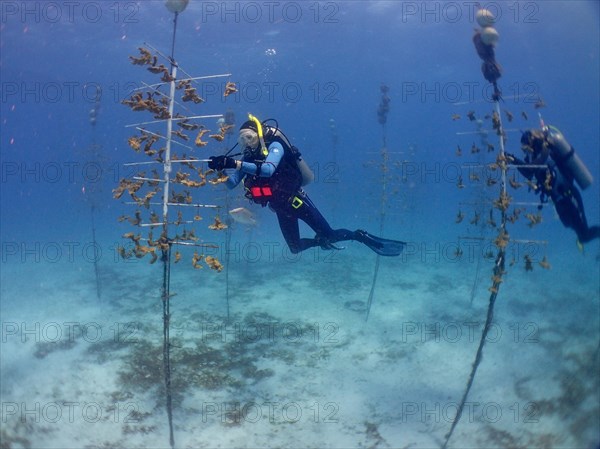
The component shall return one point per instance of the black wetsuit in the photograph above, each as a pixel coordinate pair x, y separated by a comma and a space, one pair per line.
553, 183
288, 217
278, 184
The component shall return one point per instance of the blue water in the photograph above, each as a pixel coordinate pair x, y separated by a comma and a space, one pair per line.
310, 65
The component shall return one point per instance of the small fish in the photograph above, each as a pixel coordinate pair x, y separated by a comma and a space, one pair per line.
243, 216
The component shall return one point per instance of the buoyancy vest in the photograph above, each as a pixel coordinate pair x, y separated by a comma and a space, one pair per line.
285, 182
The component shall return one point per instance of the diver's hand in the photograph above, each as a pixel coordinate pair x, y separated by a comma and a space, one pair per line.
221, 162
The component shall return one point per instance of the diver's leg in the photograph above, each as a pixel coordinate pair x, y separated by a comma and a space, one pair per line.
585, 233
309, 213
326, 236
289, 229
570, 210
288, 223
589, 234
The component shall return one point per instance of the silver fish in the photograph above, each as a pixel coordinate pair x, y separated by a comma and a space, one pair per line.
243, 216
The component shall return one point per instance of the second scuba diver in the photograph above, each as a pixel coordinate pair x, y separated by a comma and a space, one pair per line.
552, 161
273, 173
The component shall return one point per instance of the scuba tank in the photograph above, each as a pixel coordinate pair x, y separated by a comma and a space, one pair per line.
566, 158
275, 134
307, 174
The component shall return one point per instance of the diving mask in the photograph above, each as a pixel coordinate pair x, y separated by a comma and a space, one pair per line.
248, 139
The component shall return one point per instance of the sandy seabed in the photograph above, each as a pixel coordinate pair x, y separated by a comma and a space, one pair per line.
296, 365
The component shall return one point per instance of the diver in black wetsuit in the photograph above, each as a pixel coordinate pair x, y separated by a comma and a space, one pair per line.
273, 174
547, 147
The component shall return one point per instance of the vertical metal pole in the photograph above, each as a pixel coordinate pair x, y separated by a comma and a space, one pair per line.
166, 253
167, 164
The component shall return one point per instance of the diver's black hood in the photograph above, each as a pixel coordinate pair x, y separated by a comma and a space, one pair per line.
249, 124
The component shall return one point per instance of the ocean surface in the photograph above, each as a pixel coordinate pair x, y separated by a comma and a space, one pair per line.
275, 350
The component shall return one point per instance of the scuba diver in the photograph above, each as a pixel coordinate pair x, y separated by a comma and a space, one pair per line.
560, 169
273, 173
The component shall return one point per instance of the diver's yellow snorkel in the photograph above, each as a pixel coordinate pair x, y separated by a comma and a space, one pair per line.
263, 147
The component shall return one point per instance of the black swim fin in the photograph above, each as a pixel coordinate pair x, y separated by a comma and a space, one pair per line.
383, 247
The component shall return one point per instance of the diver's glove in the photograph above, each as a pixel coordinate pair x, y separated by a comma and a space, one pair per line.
513, 159
221, 162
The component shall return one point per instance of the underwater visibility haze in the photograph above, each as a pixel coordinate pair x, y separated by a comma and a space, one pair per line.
146, 305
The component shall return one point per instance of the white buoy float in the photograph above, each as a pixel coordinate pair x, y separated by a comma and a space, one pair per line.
176, 6
489, 36
485, 18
